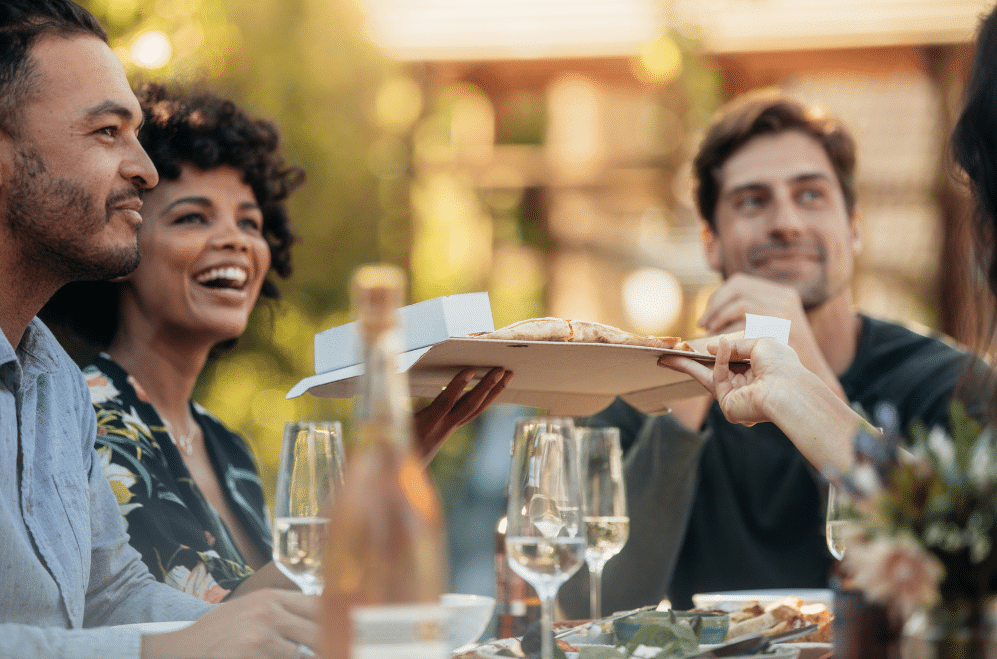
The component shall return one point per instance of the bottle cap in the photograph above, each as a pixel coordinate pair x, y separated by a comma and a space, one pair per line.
377, 293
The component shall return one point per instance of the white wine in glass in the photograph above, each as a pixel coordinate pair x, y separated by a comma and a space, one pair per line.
311, 466
834, 529
607, 525
545, 503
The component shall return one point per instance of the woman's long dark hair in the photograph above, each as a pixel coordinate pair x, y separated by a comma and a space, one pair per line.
974, 149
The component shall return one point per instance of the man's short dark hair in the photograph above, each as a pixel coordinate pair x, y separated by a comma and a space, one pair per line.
768, 113
22, 24
205, 131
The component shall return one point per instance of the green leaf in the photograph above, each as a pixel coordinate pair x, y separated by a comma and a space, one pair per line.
599, 652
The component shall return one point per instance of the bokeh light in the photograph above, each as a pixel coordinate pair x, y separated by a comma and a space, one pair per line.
661, 59
652, 299
398, 104
151, 50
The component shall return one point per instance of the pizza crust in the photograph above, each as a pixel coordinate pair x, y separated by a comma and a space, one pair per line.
575, 331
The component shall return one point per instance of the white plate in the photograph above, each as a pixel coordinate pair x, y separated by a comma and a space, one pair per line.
763, 597
156, 627
807, 650
777, 651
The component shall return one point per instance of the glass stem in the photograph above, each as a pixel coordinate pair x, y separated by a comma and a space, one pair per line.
546, 627
595, 590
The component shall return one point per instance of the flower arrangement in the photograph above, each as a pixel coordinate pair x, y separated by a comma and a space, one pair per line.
925, 519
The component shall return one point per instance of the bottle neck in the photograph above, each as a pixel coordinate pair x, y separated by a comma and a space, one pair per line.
383, 411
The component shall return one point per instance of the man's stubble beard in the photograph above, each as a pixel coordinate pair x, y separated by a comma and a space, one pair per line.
814, 292
57, 224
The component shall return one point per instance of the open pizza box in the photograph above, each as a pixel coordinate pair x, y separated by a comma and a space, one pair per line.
570, 379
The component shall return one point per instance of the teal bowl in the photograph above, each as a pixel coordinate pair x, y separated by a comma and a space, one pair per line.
714, 628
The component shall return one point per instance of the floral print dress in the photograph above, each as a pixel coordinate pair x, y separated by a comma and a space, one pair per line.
179, 534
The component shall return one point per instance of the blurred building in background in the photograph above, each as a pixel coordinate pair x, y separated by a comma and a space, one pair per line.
562, 129
571, 123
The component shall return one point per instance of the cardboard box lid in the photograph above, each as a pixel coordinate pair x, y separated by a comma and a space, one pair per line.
423, 324
572, 379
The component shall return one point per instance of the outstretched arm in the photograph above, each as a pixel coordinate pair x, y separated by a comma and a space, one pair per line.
451, 409
777, 387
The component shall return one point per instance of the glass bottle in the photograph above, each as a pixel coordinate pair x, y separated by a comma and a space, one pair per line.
517, 604
385, 563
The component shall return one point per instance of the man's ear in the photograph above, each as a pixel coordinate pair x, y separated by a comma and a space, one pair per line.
856, 231
711, 246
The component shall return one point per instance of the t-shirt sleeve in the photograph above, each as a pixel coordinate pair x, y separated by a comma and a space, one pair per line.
622, 415
917, 375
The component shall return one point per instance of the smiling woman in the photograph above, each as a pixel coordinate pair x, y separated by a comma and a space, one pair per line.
212, 231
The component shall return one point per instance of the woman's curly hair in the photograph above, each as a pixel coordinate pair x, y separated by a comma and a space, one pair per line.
201, 129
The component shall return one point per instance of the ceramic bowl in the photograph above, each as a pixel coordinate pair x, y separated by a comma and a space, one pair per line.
469, 616
714, 626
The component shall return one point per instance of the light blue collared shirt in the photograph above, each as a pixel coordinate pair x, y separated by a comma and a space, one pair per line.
65, 563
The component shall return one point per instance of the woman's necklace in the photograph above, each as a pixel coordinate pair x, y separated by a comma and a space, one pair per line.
183, 442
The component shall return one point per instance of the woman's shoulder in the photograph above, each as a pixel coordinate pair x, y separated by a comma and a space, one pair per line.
110, 385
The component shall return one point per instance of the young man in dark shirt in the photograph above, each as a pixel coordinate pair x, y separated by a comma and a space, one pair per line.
718, 506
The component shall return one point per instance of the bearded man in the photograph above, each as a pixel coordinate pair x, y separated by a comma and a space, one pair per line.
72, 174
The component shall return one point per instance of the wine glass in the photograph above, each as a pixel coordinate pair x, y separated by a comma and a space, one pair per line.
544, 510
311, 466
835, 524
607, 525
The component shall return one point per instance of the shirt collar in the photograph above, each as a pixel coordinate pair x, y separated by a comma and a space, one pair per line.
36, 352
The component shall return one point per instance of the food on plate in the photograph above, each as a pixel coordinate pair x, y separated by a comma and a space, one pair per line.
574, 331
781, 616
708, 627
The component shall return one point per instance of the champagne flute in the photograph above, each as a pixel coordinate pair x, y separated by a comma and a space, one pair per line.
311, 466
607, 525
834, 530
545, 502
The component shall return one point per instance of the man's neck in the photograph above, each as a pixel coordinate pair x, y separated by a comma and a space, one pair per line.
836, 327
23, 293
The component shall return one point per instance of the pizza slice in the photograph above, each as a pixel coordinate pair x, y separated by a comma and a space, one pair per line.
575, 331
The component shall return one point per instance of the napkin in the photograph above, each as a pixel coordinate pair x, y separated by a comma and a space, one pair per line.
756, 327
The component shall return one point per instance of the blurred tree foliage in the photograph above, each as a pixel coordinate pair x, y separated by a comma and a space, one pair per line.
386, 180
305, 65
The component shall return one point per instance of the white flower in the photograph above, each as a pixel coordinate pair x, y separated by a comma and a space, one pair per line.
101, 389
121, 480
197, 582
981, 461
942, 447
